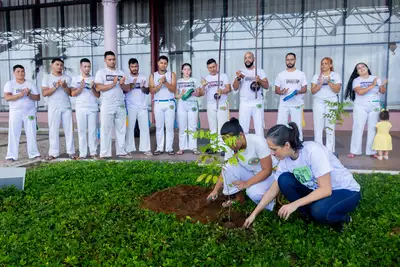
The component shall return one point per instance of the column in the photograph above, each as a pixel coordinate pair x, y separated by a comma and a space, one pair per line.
110, 25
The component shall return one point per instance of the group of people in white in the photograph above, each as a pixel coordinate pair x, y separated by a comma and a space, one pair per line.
308, 173
125, 96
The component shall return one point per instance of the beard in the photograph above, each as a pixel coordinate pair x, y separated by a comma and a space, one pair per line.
249, 65
290, 66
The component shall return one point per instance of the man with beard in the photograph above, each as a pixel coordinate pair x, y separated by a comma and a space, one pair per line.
22, 96
86, 109
137, 90
251, 103
112, 109
163, 86
291, 85
56, 86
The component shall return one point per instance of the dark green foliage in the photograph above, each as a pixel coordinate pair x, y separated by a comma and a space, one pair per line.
88, 214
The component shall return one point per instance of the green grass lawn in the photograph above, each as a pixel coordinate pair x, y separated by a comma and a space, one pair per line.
85, 214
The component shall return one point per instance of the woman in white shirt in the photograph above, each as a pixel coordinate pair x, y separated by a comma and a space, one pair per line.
365, 91
252, 173
311, 178
325, 86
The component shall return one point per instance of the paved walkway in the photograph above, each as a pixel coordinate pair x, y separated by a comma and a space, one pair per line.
342, 147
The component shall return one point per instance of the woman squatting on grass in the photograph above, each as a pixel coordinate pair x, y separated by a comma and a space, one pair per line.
252, 174
311, 178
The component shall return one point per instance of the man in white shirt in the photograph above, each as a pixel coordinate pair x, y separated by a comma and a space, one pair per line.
291, 85
112, 109
217, 97
86, 109
136, 102
21, 95
56, 87
163, 86
251, 97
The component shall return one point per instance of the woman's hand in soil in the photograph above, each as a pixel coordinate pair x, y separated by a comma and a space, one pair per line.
212, 196
241, 185
249, 221
285, 211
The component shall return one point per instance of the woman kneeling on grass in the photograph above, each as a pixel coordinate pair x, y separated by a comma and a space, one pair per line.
311, 178
253, 173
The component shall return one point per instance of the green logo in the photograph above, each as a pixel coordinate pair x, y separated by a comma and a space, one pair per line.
122, 106
302, 174
194, 109
171, 106
259, 106
253, 161
222, 108
376, 109
31, 118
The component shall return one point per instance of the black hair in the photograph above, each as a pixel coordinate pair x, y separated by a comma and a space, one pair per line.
18, 67
162, 57
282, 134
84, 60
349, 88
384, 115
186, 64
133, 61
109, 53
211, 61
231, 127
292, 54
57, 59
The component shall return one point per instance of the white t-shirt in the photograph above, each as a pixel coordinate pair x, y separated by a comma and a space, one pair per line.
59, 98
106, 76
293, 80
314, 161
25, 103
164, 93
371, 95
326, 91
136, 98
256, 149
244, 88
187, 84
212, 86
86, 99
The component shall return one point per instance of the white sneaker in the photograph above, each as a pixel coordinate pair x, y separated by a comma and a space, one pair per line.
380, 157
386, 157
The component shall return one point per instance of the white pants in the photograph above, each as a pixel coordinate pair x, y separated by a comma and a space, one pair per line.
187, 120
217, 118
112, 115
320, 108
86, 119
255, 110
255, 192
142, 116
16, 119
164, 115
296, 115
363, 112
56, 116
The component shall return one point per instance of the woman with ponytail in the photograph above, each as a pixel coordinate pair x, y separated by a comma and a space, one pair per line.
364, 90
311, 178
252, 173
325, 86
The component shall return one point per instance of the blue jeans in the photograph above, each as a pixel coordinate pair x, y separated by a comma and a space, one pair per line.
330, 210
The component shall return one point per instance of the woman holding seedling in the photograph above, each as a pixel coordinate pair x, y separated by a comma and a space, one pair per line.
254, 168
311, 178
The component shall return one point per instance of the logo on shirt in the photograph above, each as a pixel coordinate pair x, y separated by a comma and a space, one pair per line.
194, 109
292, 81
258, 106
87, 85
171, 106
215, 83
182, 85
31, 118
222, 108
302, 174
253, 161
19, 90
110, 78
365, 84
